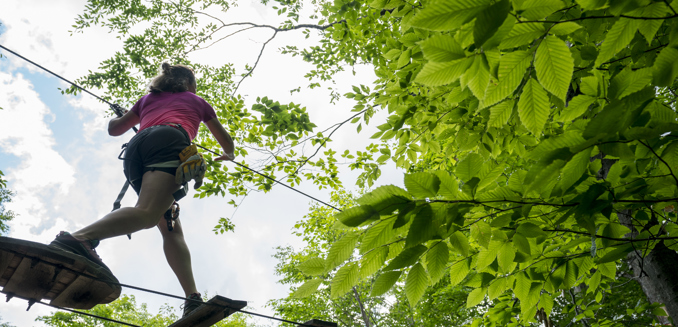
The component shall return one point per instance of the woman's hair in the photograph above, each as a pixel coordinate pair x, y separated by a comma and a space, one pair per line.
173, 78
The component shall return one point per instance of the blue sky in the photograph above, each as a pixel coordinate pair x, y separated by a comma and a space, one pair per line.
62, 164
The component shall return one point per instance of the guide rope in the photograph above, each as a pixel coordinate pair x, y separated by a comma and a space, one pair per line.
117, 109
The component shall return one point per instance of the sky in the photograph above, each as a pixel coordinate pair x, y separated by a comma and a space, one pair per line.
63, 166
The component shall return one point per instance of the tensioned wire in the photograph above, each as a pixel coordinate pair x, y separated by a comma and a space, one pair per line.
119, 113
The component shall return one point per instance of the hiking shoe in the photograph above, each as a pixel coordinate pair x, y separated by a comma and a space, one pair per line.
192, 305
85, 248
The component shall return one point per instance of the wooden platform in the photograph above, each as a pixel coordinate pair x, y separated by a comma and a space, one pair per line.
35, 271
209, 314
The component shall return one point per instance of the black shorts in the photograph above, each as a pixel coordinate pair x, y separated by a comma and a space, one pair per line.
153, 145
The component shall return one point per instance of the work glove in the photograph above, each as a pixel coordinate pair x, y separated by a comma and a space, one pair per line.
192, 167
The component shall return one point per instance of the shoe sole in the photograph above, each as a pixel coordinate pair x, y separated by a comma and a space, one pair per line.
68, 248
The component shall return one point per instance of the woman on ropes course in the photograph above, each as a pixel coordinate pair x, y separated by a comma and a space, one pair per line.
170, 116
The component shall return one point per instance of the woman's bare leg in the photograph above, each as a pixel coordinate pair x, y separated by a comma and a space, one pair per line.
178, 256
155, 198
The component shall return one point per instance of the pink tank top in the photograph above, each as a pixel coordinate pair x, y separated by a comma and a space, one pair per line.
183, 108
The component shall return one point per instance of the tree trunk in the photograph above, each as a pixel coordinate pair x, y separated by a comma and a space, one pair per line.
657, 273
366, 319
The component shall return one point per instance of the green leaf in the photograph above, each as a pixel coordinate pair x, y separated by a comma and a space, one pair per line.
355, 216
475, 297
416, 284
665, 68
469, 167
459, 243
422, 185
308, 288
312, 267
489, 20
442, 73
481, 232
422, 228
445, 15
522, 34
627, 82
441, 48
384, 282
459, 271
533, 107
576, 107
618, 37
486, 257
436, 260
546, 302
378, 234
448, 185
538, 9
512, 68
477, 77
616, 254
497, 287
565, 28
372, 261
648, 28
529, 229
386, 199
505, 257
341, 250
345, 278
592, 4
554, 66
406, 258
575, 168
404, 58
500, 114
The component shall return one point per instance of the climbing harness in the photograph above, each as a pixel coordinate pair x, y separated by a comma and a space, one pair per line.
171, 215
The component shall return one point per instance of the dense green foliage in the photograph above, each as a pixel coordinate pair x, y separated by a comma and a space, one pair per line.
5, 197
527, 127
127, 310
444, 304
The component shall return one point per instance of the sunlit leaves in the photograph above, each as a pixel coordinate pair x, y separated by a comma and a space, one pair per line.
617, 38
533, 107
512, 68
522, 34
357, 215
416, 283
422, 184
313, 266
665, 68
538, 9
344, 279
442, 15
442, 48
341, 250
489, 20
554, 66
436, 260
384, 282
442, 73
307, 288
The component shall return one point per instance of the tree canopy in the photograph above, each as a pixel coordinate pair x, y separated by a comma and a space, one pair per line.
537, 136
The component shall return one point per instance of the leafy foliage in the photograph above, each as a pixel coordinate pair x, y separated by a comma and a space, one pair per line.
5, 197
538, 137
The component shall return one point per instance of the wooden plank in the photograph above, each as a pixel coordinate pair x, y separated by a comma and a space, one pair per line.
82, 293
207, 315
31, 279
320, 323
38, 271
5, 259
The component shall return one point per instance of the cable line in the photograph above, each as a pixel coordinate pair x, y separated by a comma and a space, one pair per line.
117, 109
88, 314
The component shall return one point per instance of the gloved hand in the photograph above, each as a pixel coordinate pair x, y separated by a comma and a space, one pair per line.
193, 168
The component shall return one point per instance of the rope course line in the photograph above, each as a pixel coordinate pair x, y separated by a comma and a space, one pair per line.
117, 110
138, 289
88, 314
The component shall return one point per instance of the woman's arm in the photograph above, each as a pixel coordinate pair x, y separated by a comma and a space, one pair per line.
223, 138
119, 125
